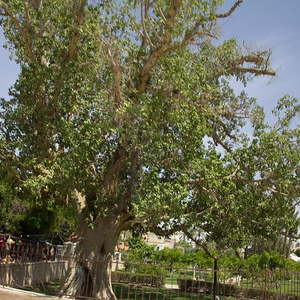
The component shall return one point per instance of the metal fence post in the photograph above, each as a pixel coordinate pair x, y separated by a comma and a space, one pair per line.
215, 270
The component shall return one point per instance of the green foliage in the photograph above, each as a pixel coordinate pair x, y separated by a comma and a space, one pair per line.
293, 265
149, 268
170, 257
231, 262
297, 252
6, 199
139, 251
45, 220
132, 109
185, 246
38, 221
198, 258
265, 260
12, 205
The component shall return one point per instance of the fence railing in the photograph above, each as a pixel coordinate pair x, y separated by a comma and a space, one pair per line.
20, 250
157, 282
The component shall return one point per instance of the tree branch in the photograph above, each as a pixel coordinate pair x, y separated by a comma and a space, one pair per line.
78, 22
157, 53
199, 243
22, 29
72, 46
254, 71
166, 46
231, 10
117, 70
165, 232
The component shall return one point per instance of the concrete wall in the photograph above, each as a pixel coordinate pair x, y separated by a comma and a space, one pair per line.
28, 274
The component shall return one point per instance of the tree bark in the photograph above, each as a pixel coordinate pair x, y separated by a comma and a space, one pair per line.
89, 273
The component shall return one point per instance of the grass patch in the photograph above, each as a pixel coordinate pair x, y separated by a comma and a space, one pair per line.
50, 288
131, 292
291, 287
137, 292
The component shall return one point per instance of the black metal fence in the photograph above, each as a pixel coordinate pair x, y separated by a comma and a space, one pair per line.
198, 283
22, 250
157, 282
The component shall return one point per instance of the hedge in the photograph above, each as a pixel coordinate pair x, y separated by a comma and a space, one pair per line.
134, 278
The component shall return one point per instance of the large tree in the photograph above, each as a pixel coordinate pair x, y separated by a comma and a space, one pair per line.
125, 108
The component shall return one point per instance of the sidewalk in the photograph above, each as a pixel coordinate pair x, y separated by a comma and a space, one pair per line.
7, 293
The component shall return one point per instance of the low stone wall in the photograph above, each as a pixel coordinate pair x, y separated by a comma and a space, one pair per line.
29, 274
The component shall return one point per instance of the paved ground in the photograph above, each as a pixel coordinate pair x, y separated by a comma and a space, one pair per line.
14, 294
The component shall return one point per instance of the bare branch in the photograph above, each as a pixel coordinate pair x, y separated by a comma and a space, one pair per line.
218, 141
113, 170
254, 71
277, 192
198, 242
35, 3
162, 14
260, 66
211, 193
189, 38
117, 70
74, 39
231, 10
242, 179
146, 35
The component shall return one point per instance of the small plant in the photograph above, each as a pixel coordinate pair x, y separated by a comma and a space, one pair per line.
297, 252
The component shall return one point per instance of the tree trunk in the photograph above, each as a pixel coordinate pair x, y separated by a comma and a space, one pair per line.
89, 273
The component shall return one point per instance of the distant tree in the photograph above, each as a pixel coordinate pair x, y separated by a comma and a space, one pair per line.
139, 251
170, 257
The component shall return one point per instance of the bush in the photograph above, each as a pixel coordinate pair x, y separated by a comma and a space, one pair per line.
198, 258
297, 252
139, 251
265, 260
150, 269
231, 262
292, 265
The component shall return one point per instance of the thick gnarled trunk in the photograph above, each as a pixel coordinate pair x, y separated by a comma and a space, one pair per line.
90, 271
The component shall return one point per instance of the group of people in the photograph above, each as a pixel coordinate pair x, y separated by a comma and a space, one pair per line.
13, 249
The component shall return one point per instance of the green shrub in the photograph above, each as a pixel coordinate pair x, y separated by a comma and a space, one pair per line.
265, 260
151, 269
231, 262
292, 265
198, 258
136, 278
297, 252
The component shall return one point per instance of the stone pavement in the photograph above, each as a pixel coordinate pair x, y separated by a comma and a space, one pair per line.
7, 293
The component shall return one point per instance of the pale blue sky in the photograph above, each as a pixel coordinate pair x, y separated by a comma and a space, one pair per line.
262, 24
275, 25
